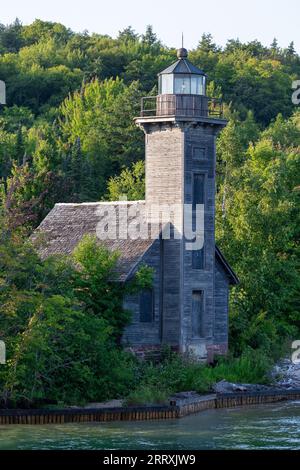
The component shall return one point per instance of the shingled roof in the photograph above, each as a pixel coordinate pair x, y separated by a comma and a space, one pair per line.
183, 66
66, 224
63, 228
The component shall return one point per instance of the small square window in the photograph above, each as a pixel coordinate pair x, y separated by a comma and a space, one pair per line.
199, 153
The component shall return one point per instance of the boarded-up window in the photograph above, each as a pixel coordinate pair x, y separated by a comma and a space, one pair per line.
147, 306
198, 259
197, 314
198, 189
199, 153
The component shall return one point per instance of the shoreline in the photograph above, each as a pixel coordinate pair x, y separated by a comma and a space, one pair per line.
176, 409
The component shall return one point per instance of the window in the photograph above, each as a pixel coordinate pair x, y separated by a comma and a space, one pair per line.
199, 153
147, 306
166, 84
198, 330
198, 190
182, 84
198, 259
197, 85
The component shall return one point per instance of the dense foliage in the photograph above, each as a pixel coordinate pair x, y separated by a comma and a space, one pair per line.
130, 184
258, 227
67, 135
177, 373
61, 320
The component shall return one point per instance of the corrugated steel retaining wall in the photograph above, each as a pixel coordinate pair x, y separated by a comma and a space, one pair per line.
143, 413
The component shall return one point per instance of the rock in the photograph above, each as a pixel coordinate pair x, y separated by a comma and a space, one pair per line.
183, 396
227, 387
107, 404
286, 374
223, 387
239, 388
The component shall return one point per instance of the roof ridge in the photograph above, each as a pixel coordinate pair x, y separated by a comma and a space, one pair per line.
80, 204
187, 65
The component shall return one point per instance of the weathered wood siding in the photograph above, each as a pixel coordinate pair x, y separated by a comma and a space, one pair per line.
196, 137
174, 153
165, 185
164, 164
221, 306
138, 333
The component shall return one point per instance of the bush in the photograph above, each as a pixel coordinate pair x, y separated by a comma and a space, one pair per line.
251, 367
61, 347
178, 374
148, 395
65, 355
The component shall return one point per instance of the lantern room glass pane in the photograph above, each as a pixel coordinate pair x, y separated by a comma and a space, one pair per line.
197, 85
182, 84
166, 84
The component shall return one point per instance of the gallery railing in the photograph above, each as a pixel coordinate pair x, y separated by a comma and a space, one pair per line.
182, 105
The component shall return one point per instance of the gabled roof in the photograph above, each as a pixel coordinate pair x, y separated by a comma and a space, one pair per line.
63, 228
234, 280
66, 224
182, 66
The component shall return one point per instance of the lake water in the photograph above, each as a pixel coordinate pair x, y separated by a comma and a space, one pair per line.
274, 426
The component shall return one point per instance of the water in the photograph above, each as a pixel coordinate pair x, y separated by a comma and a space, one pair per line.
258, 427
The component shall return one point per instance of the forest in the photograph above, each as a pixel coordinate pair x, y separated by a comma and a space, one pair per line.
67, 135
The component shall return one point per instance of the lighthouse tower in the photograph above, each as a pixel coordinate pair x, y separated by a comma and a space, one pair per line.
186, 307
181, 125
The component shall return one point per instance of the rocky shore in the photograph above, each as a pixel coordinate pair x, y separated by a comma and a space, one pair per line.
285, 375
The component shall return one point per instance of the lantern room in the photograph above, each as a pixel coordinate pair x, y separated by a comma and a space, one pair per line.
182, 78
182, 93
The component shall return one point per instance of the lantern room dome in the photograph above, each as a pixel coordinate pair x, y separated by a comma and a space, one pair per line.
182, 53
182, 77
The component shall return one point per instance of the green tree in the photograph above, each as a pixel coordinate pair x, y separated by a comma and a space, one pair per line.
102, 118
128, 35
130, 183
149, 37
207, 44
11, 37
60, 346
259, 233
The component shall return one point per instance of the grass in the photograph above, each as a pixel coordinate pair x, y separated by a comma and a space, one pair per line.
147, 395
178, 374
